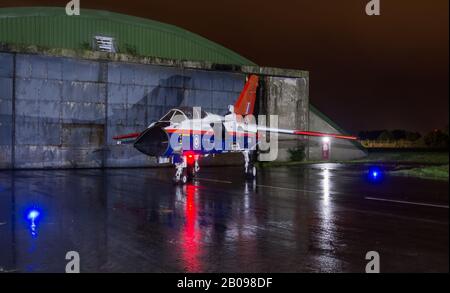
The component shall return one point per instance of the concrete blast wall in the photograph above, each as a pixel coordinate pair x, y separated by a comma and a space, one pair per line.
288, 98
63, 112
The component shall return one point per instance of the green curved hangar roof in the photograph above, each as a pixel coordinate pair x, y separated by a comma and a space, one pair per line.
51, 27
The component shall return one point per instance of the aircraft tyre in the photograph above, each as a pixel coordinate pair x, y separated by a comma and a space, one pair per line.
251, 172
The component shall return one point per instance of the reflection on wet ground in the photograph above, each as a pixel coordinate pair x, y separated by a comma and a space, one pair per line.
319, 218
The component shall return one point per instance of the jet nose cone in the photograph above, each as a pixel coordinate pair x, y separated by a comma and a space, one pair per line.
153, 142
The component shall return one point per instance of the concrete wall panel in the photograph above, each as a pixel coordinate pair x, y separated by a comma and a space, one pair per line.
146, 75
117, 94
53, 95
73, 112
6, 124
199, 80
35, 131
82, 135
199, 98
173, 77
39, 67
38, 89
6, 65
45, 110
136, 95
57, 157
136, 116
5, 88
75, 91
154, 113
5, 156
80, 70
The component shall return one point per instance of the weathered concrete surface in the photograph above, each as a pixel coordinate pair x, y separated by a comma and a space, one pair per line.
289, 99
58, 101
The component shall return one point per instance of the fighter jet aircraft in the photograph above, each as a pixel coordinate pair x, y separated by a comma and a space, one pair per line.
184, 135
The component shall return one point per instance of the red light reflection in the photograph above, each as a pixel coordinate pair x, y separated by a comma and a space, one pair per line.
191, 235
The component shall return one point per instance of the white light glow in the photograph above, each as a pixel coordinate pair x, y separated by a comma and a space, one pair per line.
326, 186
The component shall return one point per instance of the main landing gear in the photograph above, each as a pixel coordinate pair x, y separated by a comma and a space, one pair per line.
249, 165
186, 167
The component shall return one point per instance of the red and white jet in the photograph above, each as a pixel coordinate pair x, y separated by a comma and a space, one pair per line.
184, 135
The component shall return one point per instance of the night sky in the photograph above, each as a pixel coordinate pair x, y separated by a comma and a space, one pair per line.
388, 71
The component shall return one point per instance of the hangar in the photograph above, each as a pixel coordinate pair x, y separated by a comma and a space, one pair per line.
69, 84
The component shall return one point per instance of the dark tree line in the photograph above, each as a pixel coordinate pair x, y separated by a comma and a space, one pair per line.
436, 138
386, 135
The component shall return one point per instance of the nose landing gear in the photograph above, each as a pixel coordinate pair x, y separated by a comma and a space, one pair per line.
186, 167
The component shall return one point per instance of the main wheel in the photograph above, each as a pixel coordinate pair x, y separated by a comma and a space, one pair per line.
190, 172
251, 172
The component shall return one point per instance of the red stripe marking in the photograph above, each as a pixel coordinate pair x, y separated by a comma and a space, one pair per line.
131, 135
313, 133
187, 131
203, 132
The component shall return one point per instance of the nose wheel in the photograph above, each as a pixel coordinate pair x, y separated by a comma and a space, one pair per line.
185, 172
184, 175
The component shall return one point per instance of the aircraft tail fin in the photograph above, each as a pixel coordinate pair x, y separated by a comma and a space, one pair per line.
245, 104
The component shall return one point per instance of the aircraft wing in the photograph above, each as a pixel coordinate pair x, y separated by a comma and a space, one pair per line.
306, 133
131, 137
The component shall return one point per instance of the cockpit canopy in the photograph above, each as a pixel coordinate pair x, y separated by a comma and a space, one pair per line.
180, 114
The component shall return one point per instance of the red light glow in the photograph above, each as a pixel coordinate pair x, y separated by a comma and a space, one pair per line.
190, 157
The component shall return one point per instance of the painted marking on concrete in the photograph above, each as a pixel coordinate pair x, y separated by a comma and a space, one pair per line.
408, 202
214, 180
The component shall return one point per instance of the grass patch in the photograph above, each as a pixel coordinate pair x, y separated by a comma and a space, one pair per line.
405, 157
427, 172
426, 158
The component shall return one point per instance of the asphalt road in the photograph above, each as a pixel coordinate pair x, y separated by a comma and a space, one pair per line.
316, 218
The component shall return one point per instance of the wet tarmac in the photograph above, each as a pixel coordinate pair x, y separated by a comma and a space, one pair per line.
315, 218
